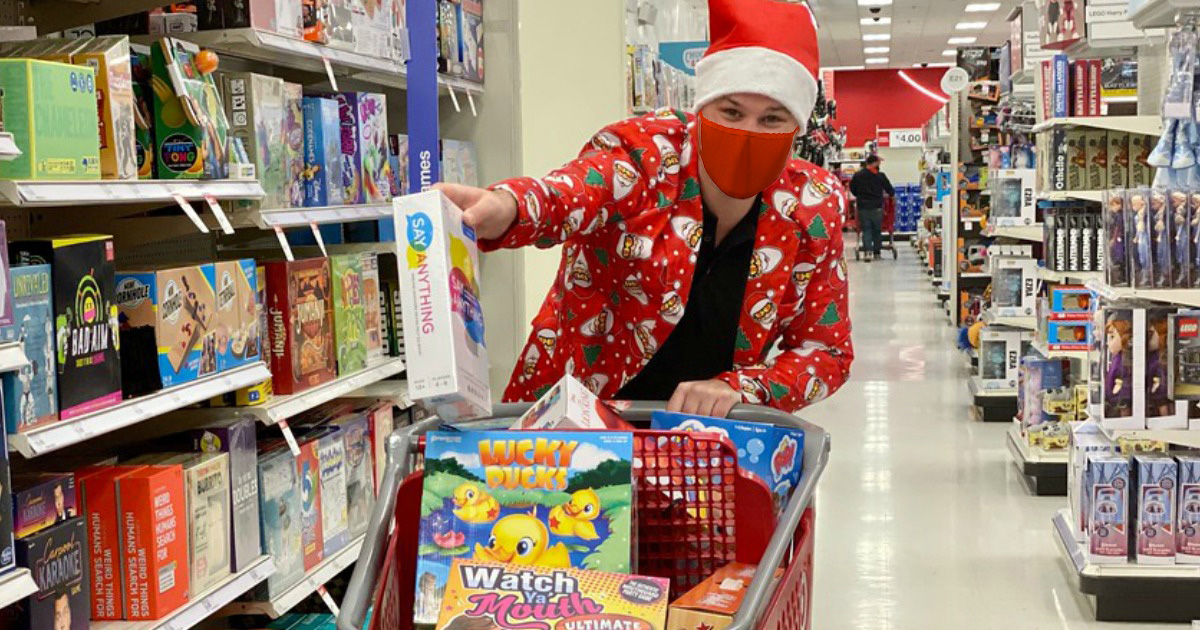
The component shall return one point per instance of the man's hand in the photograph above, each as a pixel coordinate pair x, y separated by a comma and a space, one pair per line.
490, 213
705, 398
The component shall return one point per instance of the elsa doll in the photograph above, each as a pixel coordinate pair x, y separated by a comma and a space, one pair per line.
1142, 262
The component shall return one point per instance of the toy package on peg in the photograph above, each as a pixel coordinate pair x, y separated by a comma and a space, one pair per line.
1183, 350
1160, 240
1162, 413
1155, 484
1116, 254
1179, 233
1106, 484
1138, 226
1187, 549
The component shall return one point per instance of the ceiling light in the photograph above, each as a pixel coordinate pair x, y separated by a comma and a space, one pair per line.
876, 60
954, 41
971, 26
872, 50
882, 37
922, 89
875, 21
983, 7
950, 52
874, 3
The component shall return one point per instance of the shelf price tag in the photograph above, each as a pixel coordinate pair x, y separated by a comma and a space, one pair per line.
329, 73
290, 438
329, 603
218, 212
453, 98
283, 242
316, 230
471, 102
190, 212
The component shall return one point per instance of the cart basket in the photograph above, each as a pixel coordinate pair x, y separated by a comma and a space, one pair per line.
691, 501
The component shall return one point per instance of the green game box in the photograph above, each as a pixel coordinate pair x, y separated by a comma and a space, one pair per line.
349, 313
50, 108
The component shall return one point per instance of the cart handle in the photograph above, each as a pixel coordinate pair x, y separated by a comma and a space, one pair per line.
403, 442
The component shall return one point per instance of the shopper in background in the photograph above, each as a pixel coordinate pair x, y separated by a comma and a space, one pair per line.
868, 186
693, 245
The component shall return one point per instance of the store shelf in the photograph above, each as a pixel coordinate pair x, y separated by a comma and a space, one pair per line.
1026, 323
201, 606
977, 390
1147, 125
8, 147
1073, 195
1044, 472
975, 274
1043, 349
1022, 77
394, 390
12, 356
1190, 297
1161, 13
37, 193
284, 407
317, 577
16, 585
1080, 277
302, 217
1178, 437
58, 435
1021, 233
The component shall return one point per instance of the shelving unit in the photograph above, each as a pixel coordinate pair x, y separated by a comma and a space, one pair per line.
1189, 297
1161, 13
1080, 277
317, 577
1022, 233
1025, 323
202, 605
59, 435
1189, 438
1043, 349
993, 405
1068, 195
1146, 125
16, 585
32, 194
1044, 472
302, 217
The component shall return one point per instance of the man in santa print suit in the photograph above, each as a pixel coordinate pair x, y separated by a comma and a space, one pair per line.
692, 244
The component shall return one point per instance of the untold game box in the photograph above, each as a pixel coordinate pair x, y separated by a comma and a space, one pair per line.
85, 313
371, 311
58, 560
489, 594
300, 324
308, 471
349, 314
280, 518
443, 320
30, 392
169, 322
238, 438
154, 541
551, 498
206, 484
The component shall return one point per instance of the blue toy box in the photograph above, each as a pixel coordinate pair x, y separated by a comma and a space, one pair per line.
322, 153
772, 454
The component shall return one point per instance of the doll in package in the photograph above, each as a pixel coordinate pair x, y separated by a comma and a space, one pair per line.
1114, 228
1118, 361
1138, 218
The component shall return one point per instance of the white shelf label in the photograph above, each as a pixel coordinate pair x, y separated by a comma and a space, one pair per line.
316, 230
329, 72
283, 242
289, 437
219, 213
190, 212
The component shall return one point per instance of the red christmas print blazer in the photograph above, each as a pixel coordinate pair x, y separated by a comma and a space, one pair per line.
629, 214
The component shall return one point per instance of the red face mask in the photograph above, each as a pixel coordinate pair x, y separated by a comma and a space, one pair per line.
742, 163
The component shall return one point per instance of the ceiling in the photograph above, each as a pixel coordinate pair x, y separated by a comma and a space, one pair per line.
920, 30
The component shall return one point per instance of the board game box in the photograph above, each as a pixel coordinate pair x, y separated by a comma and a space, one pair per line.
300, 324
275, 16
482, 595
83, 278
398, 159
30, 396
370, 302
376, 171
99, 509
206, 484
50, 109
372, 22
143, 110
352, 157
293, 134
335, 524
191, 130
238, 438
308, 472
237, 313
322, 152
349, 314
42, 500
169, 327
7, 557
255, 108
154, 541
381, 422
280, 517
360, 470
470, 39
551, 498
109, 57
58, 560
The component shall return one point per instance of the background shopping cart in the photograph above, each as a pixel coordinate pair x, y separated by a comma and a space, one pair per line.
887, 230
695, 513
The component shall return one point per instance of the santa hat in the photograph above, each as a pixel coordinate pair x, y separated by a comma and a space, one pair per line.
766, 47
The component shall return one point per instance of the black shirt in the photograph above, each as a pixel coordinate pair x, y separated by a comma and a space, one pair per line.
868, 188
702, 344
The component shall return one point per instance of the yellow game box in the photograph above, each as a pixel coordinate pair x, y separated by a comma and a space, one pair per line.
542, 598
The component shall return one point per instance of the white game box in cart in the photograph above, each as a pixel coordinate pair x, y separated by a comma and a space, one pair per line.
438, 256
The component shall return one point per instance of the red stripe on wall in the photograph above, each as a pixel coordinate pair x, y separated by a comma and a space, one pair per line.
867, 99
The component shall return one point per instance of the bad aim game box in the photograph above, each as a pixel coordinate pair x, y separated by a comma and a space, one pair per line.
85, 318
551, 499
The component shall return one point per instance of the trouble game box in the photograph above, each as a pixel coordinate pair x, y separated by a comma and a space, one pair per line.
494, 596
349, 312
237, 437
443, 321
30, 392
57, 558
300, 324
154, 541
84, 283
550, 498
168, 327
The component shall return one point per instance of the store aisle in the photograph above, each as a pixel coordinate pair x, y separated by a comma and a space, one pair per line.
922, 518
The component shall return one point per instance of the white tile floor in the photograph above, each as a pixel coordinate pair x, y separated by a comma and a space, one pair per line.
923, 522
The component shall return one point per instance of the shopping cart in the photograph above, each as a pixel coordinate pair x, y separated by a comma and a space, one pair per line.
691, 502
887, 231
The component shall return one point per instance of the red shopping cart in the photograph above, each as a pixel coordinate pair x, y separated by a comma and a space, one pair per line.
695, 513
887, 231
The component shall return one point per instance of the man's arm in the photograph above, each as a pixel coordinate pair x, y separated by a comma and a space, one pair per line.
887, 185
856, 183
610, 181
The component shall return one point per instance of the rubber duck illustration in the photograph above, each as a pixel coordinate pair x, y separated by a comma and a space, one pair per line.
473, 505
523, 540
574, 518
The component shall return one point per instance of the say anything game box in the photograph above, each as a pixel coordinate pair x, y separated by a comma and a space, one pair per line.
554, 499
